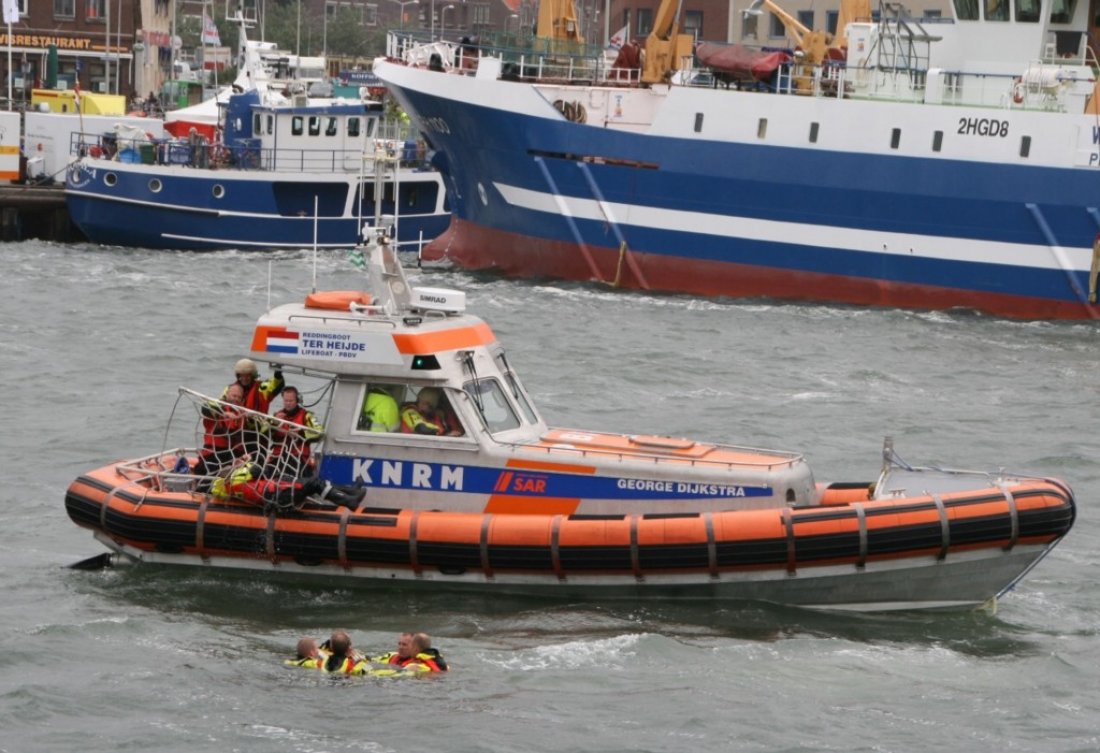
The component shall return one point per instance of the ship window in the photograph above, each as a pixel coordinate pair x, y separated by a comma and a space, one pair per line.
110, 179
813, 132
353, 127
383, 410
517, 393
330, 129
996, 10
314, 125
270, 124
1025, 146
1061, 11
257, 124
489, 398
296, 126
698, 122
218, 190
937, 141
1027, 10
895, 138
516, 390
761, 128
966, 10
155, 185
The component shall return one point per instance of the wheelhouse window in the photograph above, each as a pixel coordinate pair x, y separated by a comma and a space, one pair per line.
296, 125
353, 127
314, 125
400, 408
521, 398
490, 400
330, 127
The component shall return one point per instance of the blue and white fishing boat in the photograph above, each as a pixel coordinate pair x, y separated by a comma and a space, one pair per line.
901, 164
289, 172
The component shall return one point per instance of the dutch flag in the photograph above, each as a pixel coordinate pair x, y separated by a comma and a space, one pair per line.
282, 341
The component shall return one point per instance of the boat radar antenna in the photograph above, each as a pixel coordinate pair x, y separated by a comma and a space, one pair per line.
385, 275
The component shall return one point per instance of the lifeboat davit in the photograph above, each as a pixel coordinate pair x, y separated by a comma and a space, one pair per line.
495, 500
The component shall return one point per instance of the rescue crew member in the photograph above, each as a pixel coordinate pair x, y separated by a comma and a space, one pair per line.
425, 416
223, 439
379, 411
309, 656
247, 482
257, 397
343, 660
414, 651
294, 443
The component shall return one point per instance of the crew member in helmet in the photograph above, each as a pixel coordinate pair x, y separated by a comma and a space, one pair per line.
425, 416
257, 395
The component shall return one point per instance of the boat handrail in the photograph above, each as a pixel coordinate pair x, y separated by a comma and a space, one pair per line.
203, 155
778, 459
377, 315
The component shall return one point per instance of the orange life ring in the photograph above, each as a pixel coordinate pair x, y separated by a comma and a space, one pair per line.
337, 300
1018, 91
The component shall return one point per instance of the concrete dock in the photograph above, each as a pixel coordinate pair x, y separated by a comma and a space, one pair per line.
29, 211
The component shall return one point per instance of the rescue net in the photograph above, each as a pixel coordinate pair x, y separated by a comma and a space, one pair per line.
245, 454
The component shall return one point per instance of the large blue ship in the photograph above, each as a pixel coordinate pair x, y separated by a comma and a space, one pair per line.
927, 165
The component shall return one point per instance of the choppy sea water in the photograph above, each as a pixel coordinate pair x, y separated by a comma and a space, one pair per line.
94, 343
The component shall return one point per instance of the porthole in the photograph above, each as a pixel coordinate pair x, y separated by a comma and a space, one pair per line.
155, 185
110, 179
218, 190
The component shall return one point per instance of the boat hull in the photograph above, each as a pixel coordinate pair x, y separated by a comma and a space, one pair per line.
721, 209
194, 209
954, 550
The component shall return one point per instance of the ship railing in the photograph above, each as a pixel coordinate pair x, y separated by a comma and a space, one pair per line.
247, 156
521, 57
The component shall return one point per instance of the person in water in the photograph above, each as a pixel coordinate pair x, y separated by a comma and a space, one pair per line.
414, 651
309, 656
343, 659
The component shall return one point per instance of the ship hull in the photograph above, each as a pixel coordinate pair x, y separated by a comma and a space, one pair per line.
675, 203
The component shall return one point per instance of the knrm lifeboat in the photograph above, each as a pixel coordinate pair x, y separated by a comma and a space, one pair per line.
500, 502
